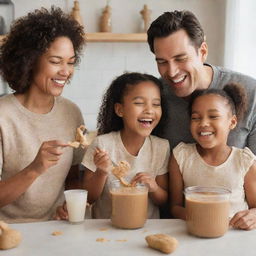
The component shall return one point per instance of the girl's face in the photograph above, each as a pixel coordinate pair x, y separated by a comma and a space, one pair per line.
211, 120
54, 68
141, 108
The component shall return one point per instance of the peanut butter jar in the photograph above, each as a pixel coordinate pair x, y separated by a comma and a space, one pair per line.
129, 205
207, 211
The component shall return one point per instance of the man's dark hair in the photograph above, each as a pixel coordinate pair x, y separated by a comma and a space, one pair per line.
170, 22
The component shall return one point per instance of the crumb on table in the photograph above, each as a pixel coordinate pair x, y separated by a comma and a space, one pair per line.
102, 240
103, 229
57, 233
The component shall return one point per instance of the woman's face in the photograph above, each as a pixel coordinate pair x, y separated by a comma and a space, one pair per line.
54, 68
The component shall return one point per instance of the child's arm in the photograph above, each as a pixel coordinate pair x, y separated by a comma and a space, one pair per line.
157, 188
94, 181
176, 190
247, 219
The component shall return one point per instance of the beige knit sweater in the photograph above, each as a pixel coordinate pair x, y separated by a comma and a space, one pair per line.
21, 135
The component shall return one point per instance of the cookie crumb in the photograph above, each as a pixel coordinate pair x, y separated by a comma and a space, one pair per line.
56, 233
103, 229
102, 240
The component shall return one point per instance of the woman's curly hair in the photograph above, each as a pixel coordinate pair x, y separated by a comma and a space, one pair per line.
29, 38
108, 120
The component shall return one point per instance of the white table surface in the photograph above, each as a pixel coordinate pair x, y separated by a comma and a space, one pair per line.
81, 240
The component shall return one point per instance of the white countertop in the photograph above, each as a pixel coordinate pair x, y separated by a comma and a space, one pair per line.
80, 239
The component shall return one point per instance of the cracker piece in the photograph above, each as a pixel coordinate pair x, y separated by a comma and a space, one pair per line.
57, 233
162, 242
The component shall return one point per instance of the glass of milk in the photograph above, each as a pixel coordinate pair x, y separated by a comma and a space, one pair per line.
76, 204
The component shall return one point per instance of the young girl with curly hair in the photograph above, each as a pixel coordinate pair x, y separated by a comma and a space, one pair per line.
133, 108
210, 161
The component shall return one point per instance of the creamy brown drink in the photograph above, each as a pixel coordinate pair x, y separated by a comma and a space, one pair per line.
129, 206
207, 211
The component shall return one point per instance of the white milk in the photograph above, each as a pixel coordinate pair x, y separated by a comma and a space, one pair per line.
76, 204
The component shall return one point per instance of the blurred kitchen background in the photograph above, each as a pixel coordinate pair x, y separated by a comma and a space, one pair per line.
228, 24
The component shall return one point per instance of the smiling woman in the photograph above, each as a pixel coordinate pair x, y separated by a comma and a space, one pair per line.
54, 68
37, 60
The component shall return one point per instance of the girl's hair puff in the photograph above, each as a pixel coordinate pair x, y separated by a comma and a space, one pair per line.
108, 120
233, 93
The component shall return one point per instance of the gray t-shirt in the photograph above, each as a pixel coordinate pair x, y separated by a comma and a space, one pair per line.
244, 135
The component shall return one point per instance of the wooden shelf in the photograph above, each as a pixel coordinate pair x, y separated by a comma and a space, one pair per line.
112, 37
116, 37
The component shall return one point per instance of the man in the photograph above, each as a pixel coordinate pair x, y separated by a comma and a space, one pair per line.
178, 42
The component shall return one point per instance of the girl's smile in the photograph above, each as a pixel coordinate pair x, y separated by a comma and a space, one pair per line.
211, 120
140, 109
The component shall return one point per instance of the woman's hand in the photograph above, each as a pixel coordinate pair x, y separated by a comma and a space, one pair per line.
48, 155
102, 161
244, 219
147, 179
61, 212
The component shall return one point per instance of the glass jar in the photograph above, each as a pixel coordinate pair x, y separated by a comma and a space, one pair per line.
207, 210
129, 205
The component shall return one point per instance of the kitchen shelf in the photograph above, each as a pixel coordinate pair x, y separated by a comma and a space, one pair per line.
112, 37
116, 37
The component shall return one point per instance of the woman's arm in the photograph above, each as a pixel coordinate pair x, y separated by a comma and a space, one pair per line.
47, 156
15, 186
247, 219
176, 185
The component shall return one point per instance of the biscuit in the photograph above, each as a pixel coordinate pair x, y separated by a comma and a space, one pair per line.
162, 242
120, 171
9, 238
74, 144
80, 138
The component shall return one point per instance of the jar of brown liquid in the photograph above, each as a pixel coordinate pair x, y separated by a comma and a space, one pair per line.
129, 205
207, 210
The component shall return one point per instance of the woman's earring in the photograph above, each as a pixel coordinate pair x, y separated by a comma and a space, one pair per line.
120, 114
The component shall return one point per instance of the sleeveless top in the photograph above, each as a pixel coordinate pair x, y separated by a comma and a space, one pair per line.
230, 174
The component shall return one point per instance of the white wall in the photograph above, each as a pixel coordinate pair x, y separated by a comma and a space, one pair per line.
240, 53
104, 61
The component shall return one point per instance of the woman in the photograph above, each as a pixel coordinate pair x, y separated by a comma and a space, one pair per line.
37, 60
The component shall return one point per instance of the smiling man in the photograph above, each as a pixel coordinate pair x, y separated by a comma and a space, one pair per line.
178, 42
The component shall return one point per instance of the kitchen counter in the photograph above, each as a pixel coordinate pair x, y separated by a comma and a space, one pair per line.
80, 239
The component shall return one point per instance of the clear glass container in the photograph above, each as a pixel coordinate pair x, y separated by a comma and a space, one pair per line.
129, 205
207, 210
6, 15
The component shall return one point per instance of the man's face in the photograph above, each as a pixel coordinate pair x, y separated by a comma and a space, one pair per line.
180, 63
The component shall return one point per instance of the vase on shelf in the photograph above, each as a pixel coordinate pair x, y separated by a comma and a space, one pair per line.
145, 13
75, 13
105, 21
